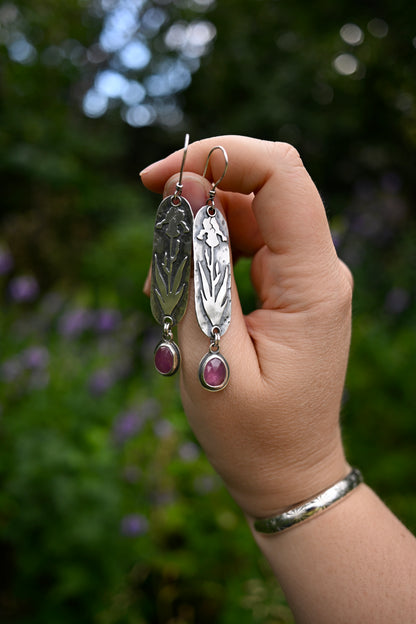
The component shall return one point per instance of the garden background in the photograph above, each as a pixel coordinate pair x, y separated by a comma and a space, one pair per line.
109, 513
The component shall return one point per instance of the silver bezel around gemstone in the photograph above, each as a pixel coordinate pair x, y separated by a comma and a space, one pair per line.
202, 366
174, 349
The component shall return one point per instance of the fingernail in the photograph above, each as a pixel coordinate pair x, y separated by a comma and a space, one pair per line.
145, 170
148, 168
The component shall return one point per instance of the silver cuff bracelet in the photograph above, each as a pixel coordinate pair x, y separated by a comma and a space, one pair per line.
306, 510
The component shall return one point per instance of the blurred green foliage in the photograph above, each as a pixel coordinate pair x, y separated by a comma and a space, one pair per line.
109, 513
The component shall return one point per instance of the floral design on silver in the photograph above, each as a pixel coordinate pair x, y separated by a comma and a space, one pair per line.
172, 246
212, 272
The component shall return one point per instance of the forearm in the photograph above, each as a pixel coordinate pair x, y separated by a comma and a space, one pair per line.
353, 563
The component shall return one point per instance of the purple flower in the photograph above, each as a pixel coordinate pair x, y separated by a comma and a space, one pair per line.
101, 381
126, 425
163, 429
189, 452
6, 261
23, 288
129, 422
75, 322
35, 357
107, 321
28, 368
163, 498
134, 525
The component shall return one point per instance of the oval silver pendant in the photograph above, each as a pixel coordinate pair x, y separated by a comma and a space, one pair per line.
214, 372
167, 357
171, 259
212, 271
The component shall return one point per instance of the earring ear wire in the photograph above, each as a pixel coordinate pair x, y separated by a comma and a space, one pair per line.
179, 186
220, 179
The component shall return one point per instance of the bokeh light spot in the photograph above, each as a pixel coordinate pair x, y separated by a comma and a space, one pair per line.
352, 34
134, 94
153, 19
119, 27
168, 112
94, 104
139, 116
176, 36
171, 78
192, 39
203, 4
21, 51
201, 33
8, 13
346, 64
111, 83
135, 55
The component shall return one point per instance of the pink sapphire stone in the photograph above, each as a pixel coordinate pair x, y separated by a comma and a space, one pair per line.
164, 360
215, 372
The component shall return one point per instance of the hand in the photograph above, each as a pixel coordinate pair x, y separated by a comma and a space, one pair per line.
273, 433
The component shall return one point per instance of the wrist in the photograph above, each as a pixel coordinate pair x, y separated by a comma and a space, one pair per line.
291, 484
308, 509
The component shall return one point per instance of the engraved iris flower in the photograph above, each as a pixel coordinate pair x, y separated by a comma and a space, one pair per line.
176, 222
211, 230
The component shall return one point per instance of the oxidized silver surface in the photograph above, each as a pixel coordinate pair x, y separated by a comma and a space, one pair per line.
171, 259
212, 271
310, 508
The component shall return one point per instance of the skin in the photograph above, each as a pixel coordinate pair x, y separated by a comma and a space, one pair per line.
273, 434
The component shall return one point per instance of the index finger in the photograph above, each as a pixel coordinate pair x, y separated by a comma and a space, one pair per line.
288, 208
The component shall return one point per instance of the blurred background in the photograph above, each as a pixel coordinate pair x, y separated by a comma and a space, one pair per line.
109, 513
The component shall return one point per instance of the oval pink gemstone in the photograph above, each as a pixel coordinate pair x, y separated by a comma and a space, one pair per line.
164, 360
215, 372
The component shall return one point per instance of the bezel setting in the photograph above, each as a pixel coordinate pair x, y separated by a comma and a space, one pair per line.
209, 357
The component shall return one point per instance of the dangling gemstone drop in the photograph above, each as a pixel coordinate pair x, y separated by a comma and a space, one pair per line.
167, 357
214, 372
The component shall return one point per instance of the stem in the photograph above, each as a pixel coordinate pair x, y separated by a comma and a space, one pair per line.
171, 266
211, 270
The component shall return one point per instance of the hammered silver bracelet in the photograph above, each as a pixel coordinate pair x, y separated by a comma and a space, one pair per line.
306, 510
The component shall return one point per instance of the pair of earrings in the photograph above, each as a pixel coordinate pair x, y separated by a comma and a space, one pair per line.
176, 236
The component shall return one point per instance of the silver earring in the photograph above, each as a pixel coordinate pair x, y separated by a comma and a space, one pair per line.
212, 277
171, 265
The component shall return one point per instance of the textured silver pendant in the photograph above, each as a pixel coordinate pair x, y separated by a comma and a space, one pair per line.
212, 277
212, 271
171, 264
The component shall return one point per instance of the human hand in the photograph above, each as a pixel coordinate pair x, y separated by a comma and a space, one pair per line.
273, 433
